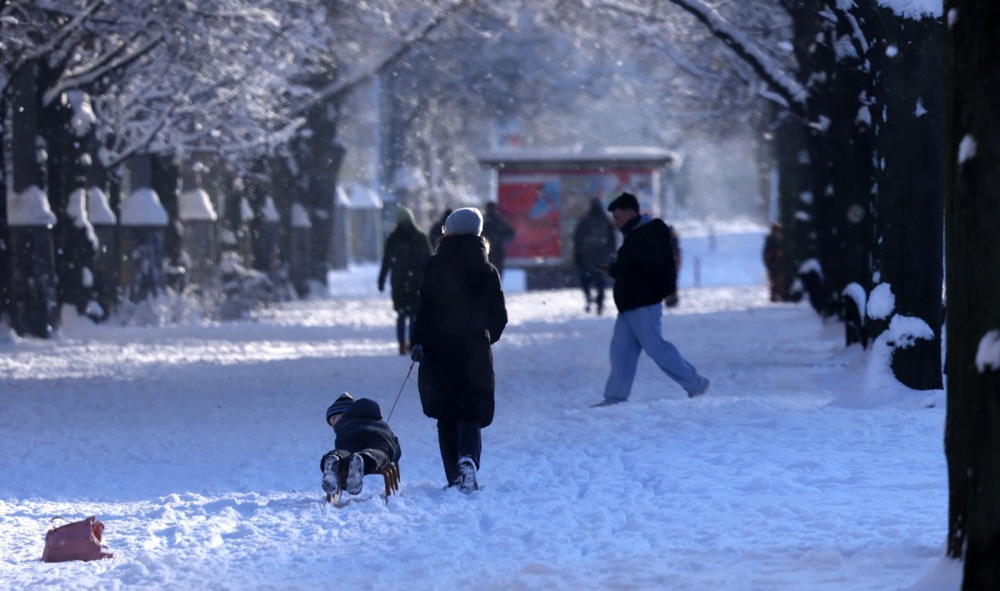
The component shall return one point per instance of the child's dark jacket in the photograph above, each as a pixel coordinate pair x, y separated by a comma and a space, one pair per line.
361, 427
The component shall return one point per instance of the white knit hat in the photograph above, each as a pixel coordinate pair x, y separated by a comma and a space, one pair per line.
467, 220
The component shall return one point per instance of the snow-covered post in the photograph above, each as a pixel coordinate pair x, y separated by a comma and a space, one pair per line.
244, 235
70, 163
409, 185
197, 216
78, 259
34, 307
340, 226
299, 242
366, 222
105, 271
268, 249
143, 220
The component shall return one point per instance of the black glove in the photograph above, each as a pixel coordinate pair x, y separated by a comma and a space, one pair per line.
417, 353
381, 286
672, 300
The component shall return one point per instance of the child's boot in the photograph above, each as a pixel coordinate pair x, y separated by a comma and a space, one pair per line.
355, 474
331, 476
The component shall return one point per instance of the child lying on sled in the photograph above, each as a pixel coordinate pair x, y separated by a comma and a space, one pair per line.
364, 444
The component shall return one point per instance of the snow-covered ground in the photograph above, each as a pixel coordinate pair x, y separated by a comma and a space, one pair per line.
198, 446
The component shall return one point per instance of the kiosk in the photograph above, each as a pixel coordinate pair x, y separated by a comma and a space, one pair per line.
543, 193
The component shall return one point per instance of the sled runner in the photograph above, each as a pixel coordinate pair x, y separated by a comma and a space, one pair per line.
390, 473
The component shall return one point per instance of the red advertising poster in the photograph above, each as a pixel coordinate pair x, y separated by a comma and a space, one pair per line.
530, 204
543, 206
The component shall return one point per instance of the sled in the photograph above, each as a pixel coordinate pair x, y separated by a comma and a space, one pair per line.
390, 474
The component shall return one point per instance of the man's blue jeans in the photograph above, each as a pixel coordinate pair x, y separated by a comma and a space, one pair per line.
640, 330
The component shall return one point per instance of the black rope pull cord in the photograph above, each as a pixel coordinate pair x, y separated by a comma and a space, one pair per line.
412, 363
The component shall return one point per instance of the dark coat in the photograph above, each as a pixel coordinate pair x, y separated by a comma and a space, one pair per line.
498, 232
406, 253
593, 238
361, 427
462, 312
644, 269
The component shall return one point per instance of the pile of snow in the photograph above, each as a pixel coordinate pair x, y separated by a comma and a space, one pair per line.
198, 445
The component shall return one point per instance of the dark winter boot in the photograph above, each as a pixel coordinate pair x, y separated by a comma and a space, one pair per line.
355, 474
331, 478
467, 475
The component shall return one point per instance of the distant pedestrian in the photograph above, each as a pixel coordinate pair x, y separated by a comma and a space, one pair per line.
772, 256
437, 230
593, 245
499, 233
645, 274
406, 253
462, 313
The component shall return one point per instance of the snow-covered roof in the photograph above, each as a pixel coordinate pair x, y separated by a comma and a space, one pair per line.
577, 157
99, 208
143, 208
300, 217
30, 207
195, 206
363, 197
270, 212
340, 198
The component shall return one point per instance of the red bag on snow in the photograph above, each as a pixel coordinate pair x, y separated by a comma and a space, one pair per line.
79, 540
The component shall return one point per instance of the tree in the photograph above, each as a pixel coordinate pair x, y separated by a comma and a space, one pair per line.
972, 235
860, 220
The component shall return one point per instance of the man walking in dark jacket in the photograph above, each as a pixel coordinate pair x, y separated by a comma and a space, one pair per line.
645, 273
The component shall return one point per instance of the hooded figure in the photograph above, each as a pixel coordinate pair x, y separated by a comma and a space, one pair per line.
406, 253
462, 313
593, 244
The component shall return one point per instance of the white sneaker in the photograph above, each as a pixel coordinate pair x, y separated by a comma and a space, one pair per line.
331, 478
355, 474
467, 475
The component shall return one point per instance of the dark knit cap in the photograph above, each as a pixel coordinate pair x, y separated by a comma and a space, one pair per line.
341, 405
624, 201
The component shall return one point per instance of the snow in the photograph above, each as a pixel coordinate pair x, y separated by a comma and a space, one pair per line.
967, 149
363, 197
300, 217
99, 208
914, 9
270, 211
83, 119
882, 302
988, 352
198, 445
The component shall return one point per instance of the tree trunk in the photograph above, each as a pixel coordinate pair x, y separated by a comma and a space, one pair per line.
34, 306
793, 181
4, 234
910, 188
972, 234
68, 164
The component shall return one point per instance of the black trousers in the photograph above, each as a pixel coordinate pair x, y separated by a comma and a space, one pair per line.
404, 326
590, 277
458, 439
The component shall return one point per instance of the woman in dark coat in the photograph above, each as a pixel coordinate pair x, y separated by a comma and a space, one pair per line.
406, 253
462, 313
